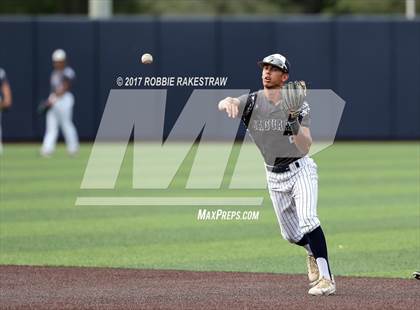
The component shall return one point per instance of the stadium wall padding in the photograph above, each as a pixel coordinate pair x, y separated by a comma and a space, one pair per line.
372, 63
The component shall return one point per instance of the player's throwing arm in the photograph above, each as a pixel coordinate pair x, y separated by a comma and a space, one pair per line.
230, 105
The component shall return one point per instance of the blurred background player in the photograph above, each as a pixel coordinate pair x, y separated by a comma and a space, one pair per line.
60, 103
5, 98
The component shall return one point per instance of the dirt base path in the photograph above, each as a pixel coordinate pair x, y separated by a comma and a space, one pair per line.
52, 287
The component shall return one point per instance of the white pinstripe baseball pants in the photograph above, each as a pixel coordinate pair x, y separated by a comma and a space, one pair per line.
294, 195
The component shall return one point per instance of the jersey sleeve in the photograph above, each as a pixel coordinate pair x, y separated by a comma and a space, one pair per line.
242, 101
246, 106
304, 115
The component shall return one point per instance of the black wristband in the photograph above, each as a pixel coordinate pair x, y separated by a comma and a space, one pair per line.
294, 126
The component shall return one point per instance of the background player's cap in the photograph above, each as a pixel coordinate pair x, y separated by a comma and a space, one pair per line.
59, 55
277, 60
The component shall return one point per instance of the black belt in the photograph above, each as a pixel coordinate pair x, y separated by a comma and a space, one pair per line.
282, 168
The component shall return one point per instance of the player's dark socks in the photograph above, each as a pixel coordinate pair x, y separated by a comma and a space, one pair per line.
318, 244
304, 241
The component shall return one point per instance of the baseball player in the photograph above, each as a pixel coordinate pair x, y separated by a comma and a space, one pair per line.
60, 107
5, 99
278, 120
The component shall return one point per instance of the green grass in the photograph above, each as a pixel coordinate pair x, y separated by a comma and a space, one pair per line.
368, 204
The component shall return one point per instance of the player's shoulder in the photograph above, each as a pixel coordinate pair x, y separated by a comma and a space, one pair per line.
250, 94
253, 95
69, 73
247, 98
256, 93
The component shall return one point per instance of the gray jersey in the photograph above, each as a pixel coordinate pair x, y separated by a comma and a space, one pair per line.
59, 76
267, 125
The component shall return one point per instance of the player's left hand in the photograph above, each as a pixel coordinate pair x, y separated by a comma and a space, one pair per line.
293, 94
52, 98
43, 107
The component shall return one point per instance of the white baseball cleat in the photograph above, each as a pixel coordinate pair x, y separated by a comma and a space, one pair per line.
324, 287
45, 154
313, 271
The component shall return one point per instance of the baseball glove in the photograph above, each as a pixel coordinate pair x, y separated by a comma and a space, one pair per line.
43, 107
293, 94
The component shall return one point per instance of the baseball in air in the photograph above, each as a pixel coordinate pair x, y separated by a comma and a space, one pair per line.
147, 59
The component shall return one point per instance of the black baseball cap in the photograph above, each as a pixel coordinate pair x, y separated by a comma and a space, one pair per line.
276, 60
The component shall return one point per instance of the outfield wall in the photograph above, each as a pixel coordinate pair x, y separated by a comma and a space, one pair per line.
372, 63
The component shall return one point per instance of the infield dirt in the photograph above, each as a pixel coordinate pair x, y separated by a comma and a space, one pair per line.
111, 288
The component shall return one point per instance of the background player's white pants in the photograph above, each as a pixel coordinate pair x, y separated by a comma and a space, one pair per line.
294, 195
60, 115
